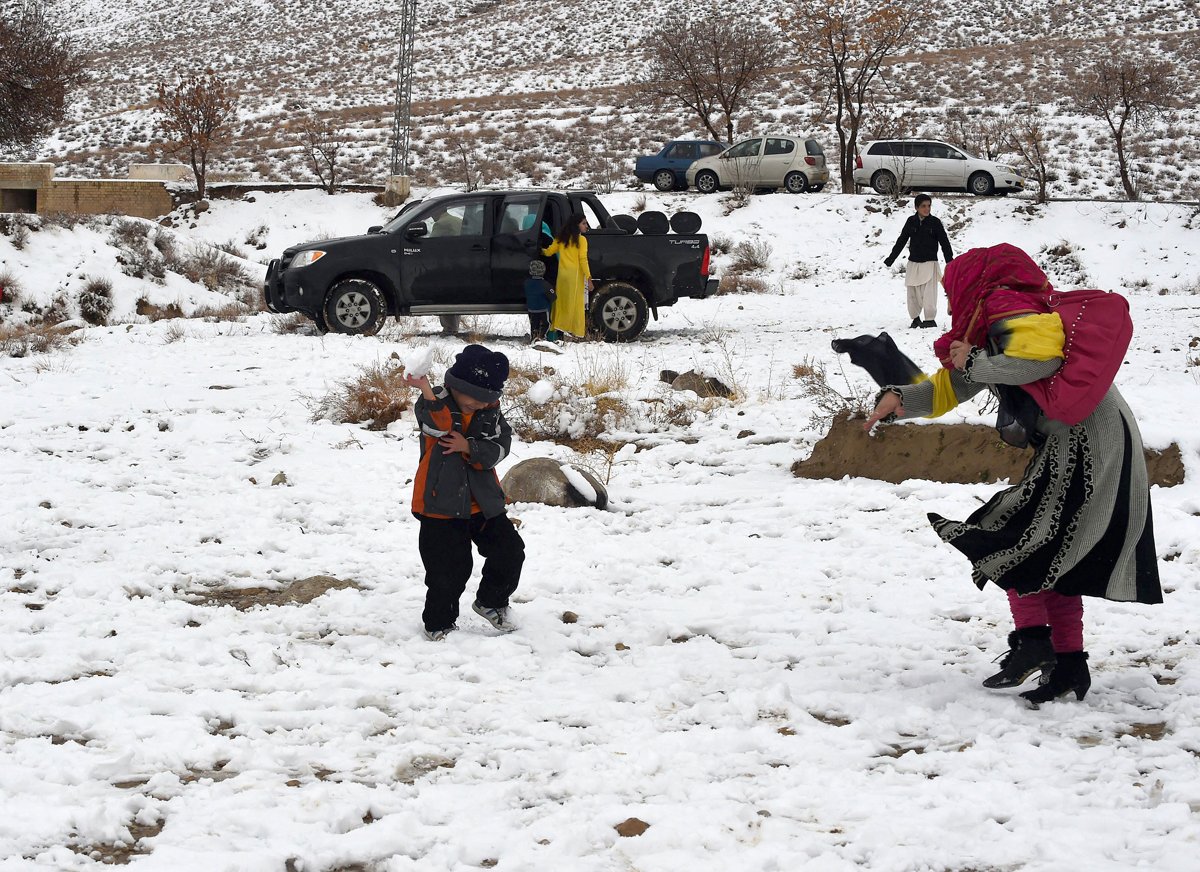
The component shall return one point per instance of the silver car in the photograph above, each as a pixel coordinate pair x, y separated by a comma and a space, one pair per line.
771, 161
889, 166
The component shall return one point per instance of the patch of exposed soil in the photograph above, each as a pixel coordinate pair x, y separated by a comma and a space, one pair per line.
959, 453
296, 593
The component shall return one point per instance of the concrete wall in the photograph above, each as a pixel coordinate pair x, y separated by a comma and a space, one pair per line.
32, 187
161, 172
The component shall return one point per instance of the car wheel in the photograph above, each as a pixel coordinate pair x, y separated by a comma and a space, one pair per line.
707, 182
619, 312
664, 180
817, 188
883, 182
981, 185
796, 183
356, 307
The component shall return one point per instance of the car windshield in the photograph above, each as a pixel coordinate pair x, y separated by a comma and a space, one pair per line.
402, 217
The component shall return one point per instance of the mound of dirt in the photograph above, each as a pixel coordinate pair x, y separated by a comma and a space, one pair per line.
960, 453
296, 593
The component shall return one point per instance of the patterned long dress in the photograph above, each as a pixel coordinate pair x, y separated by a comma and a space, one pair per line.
1079, 520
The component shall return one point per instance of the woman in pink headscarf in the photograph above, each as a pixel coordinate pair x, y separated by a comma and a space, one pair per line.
1078, 523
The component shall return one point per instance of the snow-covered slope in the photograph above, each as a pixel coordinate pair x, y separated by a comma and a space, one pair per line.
773, 673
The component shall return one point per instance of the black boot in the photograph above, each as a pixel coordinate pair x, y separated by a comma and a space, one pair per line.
1029, 651
1070, 673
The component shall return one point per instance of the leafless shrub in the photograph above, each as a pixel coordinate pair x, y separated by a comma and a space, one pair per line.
95, 301
800, 272
376, 396
10, 287
256, 237
639, 205
175, 332
1063, 262
66, 220
208, 266
751, 256
32, 339
720, 243
581, 412
740, 283
20, 236
828, 401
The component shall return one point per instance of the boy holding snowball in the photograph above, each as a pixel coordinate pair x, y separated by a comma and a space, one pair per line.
457, 496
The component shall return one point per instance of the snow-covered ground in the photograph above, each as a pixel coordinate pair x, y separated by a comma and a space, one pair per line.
773, 673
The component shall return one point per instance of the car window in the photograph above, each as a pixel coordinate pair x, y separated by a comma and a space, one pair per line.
811, 146
779, 146
457, 219
955, 154
590, 214
914, 149
685, 151
937, 150
711, 148
749, 148
885, 149
519, 214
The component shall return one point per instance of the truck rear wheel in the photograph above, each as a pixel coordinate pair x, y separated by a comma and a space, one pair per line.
619, 312
355, 307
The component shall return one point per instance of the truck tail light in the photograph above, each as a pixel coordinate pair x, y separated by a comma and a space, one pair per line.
704, 262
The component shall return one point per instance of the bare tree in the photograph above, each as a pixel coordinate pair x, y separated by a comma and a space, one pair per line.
853, 38
38, 70
1027, 136
1125, 92
713, 66
196, 115
324, 143
979, 132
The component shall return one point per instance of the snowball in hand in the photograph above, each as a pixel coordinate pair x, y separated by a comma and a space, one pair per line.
417, 363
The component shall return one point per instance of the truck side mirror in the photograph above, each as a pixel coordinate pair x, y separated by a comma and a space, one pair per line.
374, 228
416, 230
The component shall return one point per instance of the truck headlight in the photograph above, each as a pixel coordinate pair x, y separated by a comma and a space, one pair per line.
306, 258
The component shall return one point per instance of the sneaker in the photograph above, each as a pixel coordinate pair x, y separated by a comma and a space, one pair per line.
498, 618
929, 323
916, 323
439, 635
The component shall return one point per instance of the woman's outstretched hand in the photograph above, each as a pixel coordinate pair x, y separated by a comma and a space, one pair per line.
959, 351
888, 404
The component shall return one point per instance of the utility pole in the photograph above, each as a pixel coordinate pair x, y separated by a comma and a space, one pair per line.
398, 184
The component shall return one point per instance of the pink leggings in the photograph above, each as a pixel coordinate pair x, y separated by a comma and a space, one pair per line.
1063, 613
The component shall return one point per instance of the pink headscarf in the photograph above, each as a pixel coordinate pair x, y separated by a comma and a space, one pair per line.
986, 285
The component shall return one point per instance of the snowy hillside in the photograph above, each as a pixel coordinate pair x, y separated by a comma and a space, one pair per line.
547, 90
772, 673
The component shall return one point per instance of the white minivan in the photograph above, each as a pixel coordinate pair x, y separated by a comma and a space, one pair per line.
892, 165
771, 161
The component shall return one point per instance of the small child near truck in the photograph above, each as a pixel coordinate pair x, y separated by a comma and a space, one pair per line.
457, 497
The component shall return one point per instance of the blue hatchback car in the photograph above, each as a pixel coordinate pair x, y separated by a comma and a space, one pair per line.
667, 170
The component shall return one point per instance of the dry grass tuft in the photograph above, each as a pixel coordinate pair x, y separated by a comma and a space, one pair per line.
740, 283
376, 396
829, 402
155, 312
33, 339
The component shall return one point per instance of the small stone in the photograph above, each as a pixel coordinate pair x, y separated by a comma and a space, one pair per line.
280, 478
621, 646
45, 504
570, 618
631, 827
742, 434
668, 375
253, 480
164, 426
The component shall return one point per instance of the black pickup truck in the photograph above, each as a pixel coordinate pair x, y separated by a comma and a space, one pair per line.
469, 254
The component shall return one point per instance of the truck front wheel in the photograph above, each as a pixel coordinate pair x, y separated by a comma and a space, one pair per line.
355, 306
619, 312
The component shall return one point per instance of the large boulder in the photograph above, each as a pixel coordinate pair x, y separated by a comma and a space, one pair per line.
546, 481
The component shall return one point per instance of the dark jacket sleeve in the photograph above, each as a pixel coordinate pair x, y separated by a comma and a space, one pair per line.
434, 417
490, 448
899, 246
944, 241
